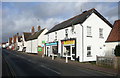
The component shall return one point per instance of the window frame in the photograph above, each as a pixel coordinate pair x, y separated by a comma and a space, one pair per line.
66, 33
101, 33
89, 31
89, 51
55, 35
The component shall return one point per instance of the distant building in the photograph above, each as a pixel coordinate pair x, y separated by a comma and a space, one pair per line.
35, 42
82, 37
25, 35
113, 39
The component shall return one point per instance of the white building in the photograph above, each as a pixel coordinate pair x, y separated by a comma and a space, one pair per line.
34, 41
82, 37
25, 35
19, 42
113, 39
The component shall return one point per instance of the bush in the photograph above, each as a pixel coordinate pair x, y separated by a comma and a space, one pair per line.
117, 50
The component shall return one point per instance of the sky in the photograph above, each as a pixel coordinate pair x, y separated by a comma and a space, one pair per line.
21, 16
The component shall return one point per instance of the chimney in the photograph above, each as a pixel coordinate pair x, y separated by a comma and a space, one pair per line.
33, 30
17, 34
38, 28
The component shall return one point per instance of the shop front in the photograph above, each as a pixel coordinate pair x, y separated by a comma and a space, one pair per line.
69, 48
51, 48
40, 48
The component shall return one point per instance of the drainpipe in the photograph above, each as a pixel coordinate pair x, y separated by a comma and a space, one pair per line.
82, 43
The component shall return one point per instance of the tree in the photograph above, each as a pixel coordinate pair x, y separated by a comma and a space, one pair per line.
117, 50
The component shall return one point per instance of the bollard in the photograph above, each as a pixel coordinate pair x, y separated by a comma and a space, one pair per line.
52, 56
66, 58
42, 55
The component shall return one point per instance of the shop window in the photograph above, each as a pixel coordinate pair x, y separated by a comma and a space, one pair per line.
55, 35
66, 33
89, 51
101, 32
89, 31
54, 49
67, 50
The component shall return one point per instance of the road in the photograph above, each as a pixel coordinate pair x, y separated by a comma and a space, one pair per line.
26, 65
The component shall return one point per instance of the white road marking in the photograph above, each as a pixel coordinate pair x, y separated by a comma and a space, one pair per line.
49, 69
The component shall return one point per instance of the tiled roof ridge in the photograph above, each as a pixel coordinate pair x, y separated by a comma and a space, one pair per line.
75, 16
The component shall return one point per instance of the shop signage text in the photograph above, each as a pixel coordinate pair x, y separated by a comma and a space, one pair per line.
54, 43
68, 42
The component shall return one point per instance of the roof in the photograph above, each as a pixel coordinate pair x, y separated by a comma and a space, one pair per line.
19, 38
79, 19
26, 35
115, 32
35, 35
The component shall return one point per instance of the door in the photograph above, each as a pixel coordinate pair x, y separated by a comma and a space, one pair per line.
48, 50
73, 53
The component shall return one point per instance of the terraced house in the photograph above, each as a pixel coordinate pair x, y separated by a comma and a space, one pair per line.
82, 37
35, 41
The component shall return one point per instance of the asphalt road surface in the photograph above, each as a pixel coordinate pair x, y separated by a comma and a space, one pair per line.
26, 65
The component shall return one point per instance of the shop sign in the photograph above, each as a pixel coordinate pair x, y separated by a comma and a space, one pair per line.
68, 42
54, 43
39, 49
43, 41
42, 45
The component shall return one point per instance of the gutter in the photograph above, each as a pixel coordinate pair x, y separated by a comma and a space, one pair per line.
82, 43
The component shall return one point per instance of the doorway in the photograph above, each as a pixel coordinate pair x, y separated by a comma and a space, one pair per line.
48, 50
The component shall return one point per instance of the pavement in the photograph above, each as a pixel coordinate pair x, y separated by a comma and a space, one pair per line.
24, 64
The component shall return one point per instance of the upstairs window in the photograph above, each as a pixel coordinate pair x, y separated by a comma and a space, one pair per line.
55, 35
101, 32
66, 33
89, 51
89, 31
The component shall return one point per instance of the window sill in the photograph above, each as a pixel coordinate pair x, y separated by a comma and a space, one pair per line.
101, 37
89, 36
89, 55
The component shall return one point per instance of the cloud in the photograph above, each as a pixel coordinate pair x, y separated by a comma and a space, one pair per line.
20, 17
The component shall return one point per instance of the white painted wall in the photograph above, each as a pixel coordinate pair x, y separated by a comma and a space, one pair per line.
95, 42
31, 45
28, 48
109, 48
95, 22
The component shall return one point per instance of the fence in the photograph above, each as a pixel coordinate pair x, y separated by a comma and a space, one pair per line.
112, 62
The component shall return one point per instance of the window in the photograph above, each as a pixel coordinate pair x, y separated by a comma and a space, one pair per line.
55, 35
89, 51
101, 32
112, 50
88, 31
66, 33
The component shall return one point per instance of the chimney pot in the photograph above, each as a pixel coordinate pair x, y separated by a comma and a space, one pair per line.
17, 34
33, 30
38, 28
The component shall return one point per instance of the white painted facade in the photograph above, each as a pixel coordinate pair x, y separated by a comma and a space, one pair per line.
19, 44
31, 45
109, 48
82, 41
